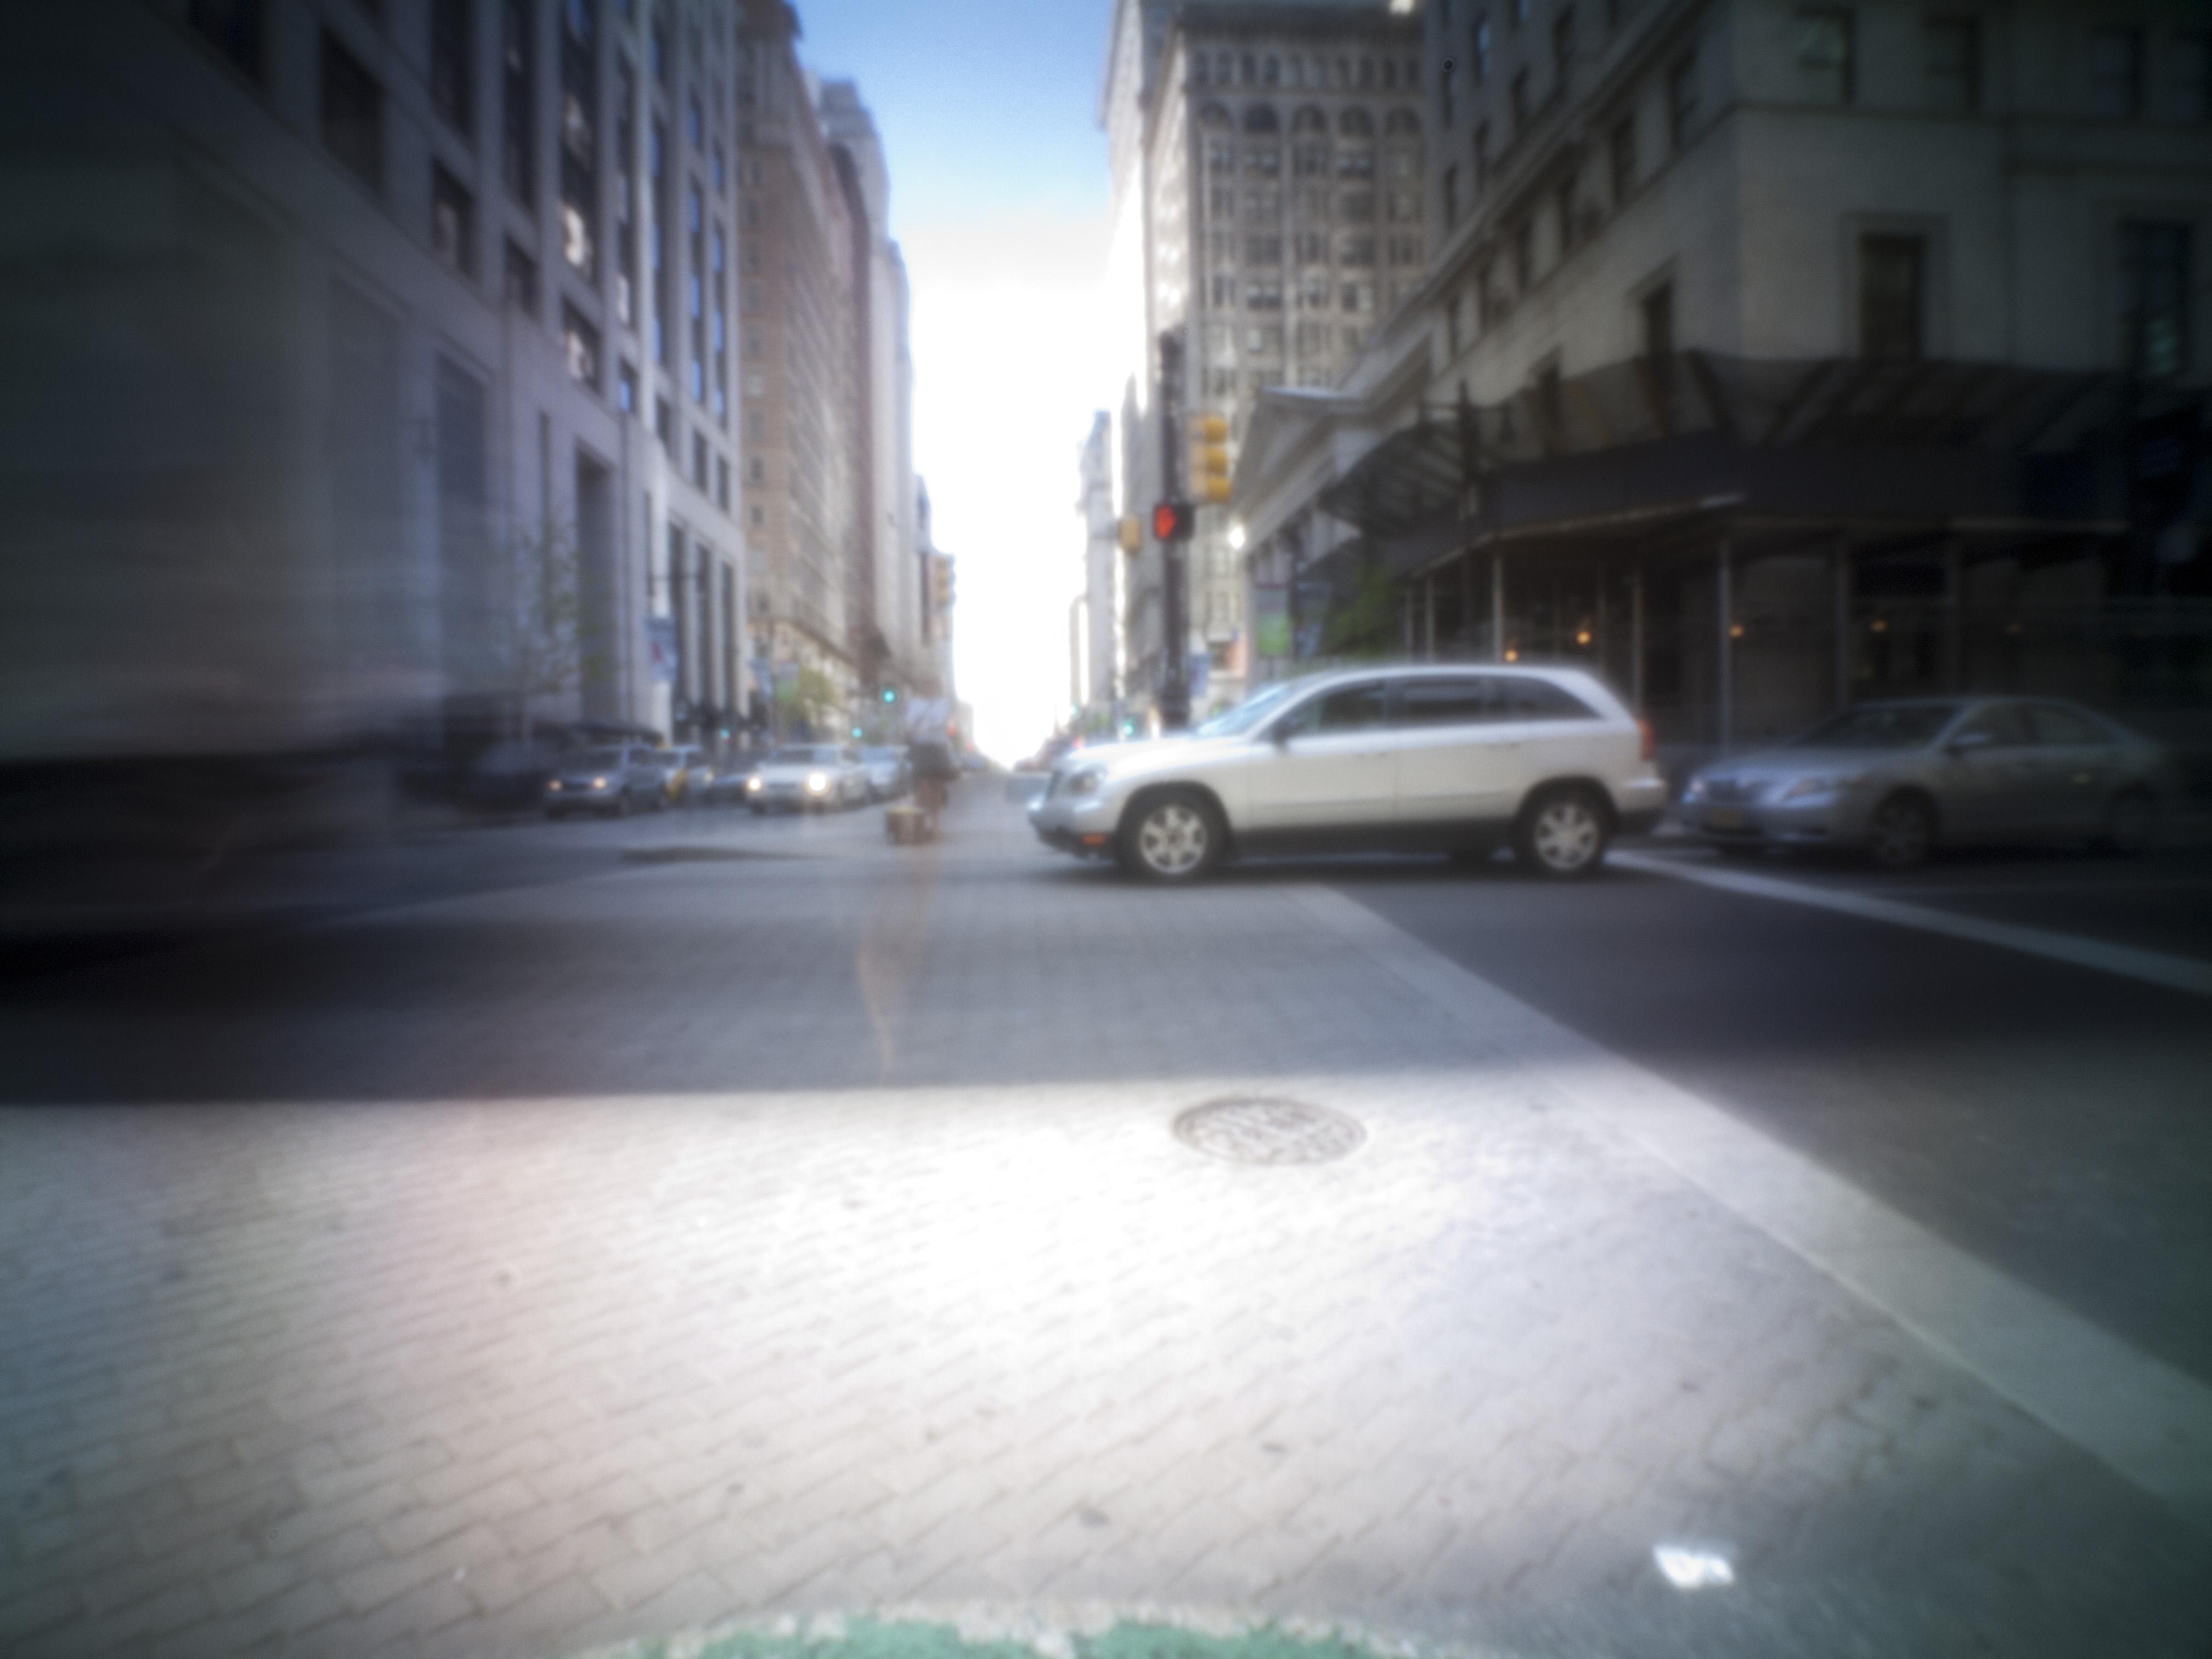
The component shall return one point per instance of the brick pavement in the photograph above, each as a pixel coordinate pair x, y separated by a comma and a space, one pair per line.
885, 1282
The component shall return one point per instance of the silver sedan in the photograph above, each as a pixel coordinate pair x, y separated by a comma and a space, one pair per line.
1899, 780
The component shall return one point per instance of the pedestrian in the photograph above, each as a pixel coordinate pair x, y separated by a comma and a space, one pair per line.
929, 752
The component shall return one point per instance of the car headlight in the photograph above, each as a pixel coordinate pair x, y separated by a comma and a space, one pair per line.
598, 783
1827, 784
553, 786
753, 784
816, 782
1084, 783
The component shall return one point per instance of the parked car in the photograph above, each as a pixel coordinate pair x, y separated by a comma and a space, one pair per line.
510, 775
890, 774
610, 780
1901, 780
1455, 760
687, 770
815, 777
731, 775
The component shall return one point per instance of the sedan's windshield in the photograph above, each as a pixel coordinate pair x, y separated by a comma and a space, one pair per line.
1880, 726
1249, 715
805, 756
598, 760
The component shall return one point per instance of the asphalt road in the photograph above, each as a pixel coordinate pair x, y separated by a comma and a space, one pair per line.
533, 1237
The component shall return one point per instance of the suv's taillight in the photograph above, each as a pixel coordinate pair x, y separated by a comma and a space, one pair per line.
1650, 740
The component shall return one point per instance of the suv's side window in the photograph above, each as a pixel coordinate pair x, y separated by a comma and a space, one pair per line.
1449, 699
2062, 728
1530, 699
1348, 708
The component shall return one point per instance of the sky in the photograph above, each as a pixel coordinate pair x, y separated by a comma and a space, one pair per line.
988, 114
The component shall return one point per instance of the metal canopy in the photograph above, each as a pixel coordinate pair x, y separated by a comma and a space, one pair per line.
1625, 439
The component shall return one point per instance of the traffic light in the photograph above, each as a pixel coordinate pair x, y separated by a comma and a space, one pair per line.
1174, 521
1131, 532
1209, 458
890, 694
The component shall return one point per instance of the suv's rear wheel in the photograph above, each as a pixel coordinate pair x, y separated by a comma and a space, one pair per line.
1562, 834
1175, 835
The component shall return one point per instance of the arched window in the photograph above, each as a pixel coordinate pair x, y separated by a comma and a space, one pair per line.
1261, 118
1403, 124
1270, 69
1356, 123
1214, 118
1309, 120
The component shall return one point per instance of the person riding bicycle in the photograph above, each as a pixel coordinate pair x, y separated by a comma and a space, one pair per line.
929, 752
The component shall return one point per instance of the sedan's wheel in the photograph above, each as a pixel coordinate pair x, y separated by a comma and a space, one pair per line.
1562, 835
1172, 837
2128, 820
1902, 832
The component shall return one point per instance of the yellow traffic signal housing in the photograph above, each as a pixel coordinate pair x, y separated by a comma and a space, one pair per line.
1209, 458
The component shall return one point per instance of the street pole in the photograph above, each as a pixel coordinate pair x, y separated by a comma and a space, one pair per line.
1175, 677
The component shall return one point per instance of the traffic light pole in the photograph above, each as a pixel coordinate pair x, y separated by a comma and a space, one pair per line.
1175, 676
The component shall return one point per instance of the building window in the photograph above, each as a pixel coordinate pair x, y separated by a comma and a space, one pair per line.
664, 423
1620, 153
1481, 158
1954, 62
626, 389
579, 153
1518, 98
1655, 317
235, 28
353, 114
2116, 73
521, 280
583, 343
1525, 256
1681, 102
1824, 69
452, 64
453, 221
662, 68
1488, 308
518, 101
1566, 206
1263, 249
2155, 299
699, 460
1563, 50
1891, 280
722, 483
1357, 250
1477, 62
1264, 296
1446, 92
1450, 188
722, 172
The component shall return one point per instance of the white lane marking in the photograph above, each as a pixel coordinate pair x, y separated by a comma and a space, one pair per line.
2153, 967
2149, 1421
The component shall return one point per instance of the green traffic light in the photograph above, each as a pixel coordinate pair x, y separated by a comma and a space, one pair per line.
890, 694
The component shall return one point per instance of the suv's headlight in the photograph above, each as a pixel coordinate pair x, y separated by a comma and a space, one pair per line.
1084, 783
754, 782
816, 782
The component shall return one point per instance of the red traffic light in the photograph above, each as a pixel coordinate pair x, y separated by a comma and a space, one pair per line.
1174, 521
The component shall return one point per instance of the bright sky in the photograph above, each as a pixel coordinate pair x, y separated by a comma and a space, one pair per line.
999, 186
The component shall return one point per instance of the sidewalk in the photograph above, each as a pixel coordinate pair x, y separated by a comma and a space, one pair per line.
511, 1374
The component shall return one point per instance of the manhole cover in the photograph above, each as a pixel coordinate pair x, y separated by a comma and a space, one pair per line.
1259, 1130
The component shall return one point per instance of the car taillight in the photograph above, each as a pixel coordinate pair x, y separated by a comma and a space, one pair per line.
1651, 739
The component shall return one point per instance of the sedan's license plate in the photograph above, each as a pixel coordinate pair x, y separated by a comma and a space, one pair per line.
1725, 817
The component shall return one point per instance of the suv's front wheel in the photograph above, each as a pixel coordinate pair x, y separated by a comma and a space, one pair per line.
1175, 835
1563, 833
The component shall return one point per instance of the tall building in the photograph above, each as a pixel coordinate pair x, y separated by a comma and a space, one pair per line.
346, 409
1273, 154
1774, 356
796, 313
935, 573
1098, 649
889, 646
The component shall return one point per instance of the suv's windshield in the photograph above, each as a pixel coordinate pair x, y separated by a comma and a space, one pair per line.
804, 757
1253, 712
1880, 726
595, 760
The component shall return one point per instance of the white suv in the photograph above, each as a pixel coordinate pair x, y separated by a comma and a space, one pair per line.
1449, 759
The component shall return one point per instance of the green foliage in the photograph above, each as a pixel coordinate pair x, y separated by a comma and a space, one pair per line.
1367, 624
